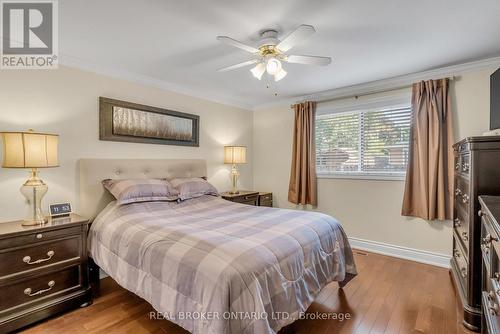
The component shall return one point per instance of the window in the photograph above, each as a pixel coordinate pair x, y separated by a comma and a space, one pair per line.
369, 142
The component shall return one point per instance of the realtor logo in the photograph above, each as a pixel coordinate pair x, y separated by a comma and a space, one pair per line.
29, 34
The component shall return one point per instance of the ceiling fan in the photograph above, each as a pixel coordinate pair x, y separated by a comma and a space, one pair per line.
271, 52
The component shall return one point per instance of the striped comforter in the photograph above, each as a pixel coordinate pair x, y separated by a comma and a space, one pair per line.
213, 266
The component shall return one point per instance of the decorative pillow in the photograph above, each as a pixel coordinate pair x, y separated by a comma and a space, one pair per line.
191, 187
141, 190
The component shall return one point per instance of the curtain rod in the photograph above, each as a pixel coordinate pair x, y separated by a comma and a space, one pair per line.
356, 96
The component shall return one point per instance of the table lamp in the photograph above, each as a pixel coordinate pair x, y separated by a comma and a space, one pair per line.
235, 155
31, 150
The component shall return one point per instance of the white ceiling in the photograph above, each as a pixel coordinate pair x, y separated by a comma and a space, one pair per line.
173, 41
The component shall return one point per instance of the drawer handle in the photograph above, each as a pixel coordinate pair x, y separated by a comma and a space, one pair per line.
465, 198
493, 307
488, 239
28, 292
456, 222
39, 236
465, 236
480, 213
490, 295
27, 259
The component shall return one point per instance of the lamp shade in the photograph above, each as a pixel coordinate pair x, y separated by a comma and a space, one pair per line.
29, 150
235, 155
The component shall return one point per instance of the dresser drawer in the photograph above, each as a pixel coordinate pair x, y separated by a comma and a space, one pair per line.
462, 195
461, 262
462, 148
491, 311
461, 227
462, 164
36, 237
30, 291
20, 259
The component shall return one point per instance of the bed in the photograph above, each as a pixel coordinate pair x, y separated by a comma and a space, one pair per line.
210, 265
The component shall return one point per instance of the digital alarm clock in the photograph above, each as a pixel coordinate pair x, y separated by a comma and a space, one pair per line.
60, 209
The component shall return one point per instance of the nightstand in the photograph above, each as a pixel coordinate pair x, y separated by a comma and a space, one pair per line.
265, 199
43, 270
250, 198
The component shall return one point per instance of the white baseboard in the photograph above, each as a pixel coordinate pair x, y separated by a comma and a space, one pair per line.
436, 259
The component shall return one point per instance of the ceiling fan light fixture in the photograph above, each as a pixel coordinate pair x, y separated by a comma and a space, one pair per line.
273, 66
280, 75
258, 70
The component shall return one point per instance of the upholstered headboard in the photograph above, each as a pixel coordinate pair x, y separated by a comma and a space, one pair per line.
93, 196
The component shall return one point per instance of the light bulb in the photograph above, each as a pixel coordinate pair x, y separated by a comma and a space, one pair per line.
273, 66
258, 70
280, 75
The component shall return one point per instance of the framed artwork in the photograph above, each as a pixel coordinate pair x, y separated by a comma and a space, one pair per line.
137, 123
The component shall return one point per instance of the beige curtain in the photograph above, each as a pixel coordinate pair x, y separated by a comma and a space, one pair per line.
302, 188
429, 178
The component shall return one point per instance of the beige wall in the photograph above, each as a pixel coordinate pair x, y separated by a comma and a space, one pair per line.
65, 101
368, 209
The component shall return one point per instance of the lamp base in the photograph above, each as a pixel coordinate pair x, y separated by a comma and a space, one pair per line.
34, 189
34, 222
234, 180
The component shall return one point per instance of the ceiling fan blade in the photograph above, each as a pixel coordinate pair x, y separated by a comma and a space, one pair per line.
233, 42
309, 60
233, 67
295, 37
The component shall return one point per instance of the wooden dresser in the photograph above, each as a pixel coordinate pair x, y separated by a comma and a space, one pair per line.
43, 270
477, 172
490, 251
250, 197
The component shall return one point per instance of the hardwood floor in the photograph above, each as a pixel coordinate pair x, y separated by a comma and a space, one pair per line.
388, 296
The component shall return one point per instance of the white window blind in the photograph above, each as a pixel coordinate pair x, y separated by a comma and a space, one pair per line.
363, 142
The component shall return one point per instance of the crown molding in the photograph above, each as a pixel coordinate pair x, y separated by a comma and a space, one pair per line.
387, 84
363, 88
73, 62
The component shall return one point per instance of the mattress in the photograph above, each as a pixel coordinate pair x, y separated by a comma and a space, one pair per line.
214, 266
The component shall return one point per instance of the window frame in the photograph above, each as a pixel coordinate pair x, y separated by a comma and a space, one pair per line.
390, 100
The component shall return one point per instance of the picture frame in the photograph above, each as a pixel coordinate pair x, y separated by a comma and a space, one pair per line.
137, 123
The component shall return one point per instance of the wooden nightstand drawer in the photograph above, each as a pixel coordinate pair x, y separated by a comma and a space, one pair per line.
243, 197
265, 199
27, 292
25, 258
43, 270
39, 236
250, 198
